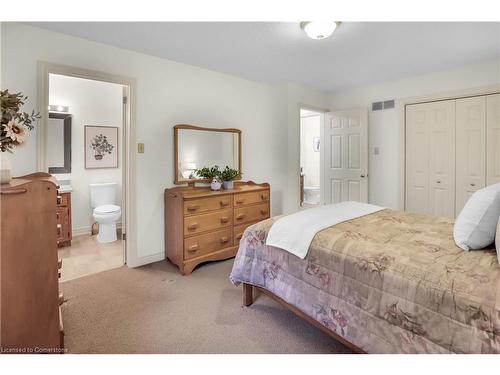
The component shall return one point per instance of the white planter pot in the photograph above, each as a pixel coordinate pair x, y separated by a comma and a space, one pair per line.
215, 185
228, 185
5, 168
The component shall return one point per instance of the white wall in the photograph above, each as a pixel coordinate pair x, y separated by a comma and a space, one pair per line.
384, 169
90, 103
310, 159
169, 93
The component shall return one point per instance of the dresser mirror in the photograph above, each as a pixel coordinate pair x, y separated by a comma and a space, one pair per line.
196, 147
59, 143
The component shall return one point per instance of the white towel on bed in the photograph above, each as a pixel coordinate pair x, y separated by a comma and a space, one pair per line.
294, 233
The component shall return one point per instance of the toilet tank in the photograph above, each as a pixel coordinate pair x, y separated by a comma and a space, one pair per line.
102, 193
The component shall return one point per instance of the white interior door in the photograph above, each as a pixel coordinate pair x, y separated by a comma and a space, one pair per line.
345, 143
471, 143
493, 139
430, 158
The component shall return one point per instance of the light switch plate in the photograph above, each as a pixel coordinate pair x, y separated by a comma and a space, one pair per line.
376, 151
140, 148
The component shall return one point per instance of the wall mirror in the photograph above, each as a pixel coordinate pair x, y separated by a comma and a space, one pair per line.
59, 142
196, 147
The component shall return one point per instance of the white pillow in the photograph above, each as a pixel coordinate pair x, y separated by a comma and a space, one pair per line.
475, 226
497, 241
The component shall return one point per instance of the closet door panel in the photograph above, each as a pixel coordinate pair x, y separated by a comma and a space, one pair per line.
471, 143
442, 158
417, 161
493, 139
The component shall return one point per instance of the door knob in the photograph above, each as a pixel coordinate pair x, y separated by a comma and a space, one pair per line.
362, 176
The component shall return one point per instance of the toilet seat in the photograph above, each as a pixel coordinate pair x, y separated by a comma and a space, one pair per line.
106, 209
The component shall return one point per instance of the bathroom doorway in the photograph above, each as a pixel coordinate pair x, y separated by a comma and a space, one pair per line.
310, 158
84, 141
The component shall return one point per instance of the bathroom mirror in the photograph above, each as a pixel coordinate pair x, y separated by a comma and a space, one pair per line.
196, 147
59, 143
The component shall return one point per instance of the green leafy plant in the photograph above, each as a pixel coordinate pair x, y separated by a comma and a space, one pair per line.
14, 123
209, 173
229, 174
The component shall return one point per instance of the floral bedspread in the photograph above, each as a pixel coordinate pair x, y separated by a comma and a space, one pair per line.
389, 282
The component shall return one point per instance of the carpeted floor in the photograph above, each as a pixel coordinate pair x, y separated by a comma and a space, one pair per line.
154, 309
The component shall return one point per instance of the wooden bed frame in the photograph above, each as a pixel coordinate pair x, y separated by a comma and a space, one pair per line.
248, 299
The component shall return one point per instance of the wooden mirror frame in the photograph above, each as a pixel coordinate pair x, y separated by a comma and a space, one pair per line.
176, 151
66, 117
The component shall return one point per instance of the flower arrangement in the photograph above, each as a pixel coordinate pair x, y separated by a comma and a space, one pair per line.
101, 146
14, 124
214, 174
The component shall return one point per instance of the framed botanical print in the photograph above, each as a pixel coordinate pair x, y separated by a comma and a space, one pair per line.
101, 147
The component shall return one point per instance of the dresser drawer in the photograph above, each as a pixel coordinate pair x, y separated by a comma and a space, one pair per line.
206, 243
204, 222
251, 198
196, 206
238, 232
248, 214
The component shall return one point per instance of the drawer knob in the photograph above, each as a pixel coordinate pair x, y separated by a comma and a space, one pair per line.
263, 197
224, 239
193, 248
59, 229
192, 207
224, 220
438, 181
57, 215
263, 212
224, 203
240, 201
240, 216
59, 199
238, 237
192, 226
472, 184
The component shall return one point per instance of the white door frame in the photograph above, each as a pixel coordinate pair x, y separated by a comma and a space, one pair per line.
128, 136
322, 112
402, 103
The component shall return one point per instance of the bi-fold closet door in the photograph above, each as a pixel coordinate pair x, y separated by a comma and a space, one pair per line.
452, 150
430, 158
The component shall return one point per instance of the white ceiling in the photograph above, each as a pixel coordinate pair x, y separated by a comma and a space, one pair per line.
357, 54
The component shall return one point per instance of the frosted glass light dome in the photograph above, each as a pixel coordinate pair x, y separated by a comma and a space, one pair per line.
319, 29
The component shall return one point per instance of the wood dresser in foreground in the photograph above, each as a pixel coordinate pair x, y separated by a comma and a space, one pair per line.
30, 318
203, 225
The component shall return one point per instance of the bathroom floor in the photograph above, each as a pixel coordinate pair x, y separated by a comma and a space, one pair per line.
86, 256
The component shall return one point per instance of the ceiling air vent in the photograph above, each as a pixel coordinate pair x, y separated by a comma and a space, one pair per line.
378, 106
389, 104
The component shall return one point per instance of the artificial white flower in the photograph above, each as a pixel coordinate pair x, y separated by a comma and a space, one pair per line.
15, 131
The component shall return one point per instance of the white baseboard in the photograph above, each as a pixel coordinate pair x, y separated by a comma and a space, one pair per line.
86, 230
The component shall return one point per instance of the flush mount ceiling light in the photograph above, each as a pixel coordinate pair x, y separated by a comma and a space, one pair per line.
319, 29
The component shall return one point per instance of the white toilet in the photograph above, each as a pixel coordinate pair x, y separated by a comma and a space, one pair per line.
105, 212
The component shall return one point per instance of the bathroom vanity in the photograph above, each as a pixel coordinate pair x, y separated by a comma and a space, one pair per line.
63, 215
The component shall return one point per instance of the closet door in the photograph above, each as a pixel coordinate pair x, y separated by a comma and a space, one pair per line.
471, 143
417, 158
493, 139
431, 158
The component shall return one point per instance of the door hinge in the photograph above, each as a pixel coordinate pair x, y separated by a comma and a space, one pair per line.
124, 236
124, 100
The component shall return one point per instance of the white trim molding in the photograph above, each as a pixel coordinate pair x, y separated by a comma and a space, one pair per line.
129, 138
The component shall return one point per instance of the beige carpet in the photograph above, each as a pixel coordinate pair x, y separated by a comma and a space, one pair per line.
154, 309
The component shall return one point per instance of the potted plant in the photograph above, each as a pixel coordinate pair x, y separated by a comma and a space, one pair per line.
101, 146
228, 175
14, 125
213, 174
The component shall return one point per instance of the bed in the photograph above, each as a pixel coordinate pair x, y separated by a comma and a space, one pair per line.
387, 282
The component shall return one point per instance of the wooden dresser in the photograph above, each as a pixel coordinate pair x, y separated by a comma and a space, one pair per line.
30, 320
203, 225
